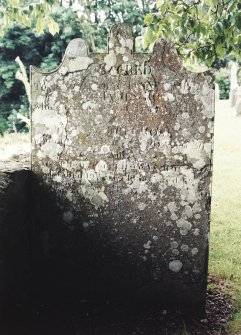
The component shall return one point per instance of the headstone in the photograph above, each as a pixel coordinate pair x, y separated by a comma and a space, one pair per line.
238, 94
217, 92
124, 142
238, 107
233, 85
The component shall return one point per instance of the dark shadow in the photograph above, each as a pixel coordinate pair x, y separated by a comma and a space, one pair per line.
62, 277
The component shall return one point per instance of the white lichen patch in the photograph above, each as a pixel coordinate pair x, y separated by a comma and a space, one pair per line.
96, 196
196, 232
141, 206
207, 97
175, 265
85, 224
194, 251
57, 179
51, 150
167, 86
156, 178
169, 97
201, 129
172, 207
174, 245
88, 105
184, 87
45, 169
198, 153
79, 63
147, 245
94, 87
50, 122
105, 149
175, 252
68, 217
184, 248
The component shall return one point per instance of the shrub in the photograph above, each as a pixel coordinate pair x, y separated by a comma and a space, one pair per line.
223, 80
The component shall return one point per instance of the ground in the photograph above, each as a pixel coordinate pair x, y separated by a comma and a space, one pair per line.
225, 247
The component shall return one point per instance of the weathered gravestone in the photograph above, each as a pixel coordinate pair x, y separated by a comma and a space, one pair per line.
124, 141
233, 85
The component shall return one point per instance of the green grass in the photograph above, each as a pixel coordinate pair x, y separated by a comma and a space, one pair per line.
225, 238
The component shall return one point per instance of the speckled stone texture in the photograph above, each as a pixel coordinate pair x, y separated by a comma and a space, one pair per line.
123, 141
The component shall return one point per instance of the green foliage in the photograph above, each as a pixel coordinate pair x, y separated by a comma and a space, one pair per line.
205, 30
3, 125
223, 80
41, 50
32, 14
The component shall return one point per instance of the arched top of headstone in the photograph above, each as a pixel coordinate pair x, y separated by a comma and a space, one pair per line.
77, 48
121, 38
121, 50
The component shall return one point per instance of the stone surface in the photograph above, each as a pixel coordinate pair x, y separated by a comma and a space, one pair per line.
233, 84
238, 107
123, 141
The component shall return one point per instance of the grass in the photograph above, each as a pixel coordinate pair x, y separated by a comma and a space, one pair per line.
14, 144
225, 238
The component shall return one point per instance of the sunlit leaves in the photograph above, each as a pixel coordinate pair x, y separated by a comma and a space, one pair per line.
53, 26
148, 19
205, 29
34, 13
40, 24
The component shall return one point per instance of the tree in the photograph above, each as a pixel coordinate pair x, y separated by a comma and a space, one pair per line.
41, 50
29, 13
206, 30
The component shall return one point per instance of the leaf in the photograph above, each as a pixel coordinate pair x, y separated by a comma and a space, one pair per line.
53, 27
40, 25
211, 3
208, 2
26, 21
210, 60
159, 3
238, 21
231, 6
219, 27
220, 50
148, 19
149, 37
14, 3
